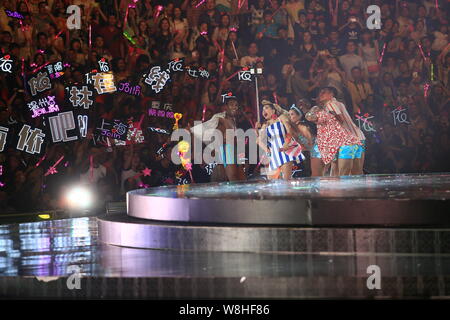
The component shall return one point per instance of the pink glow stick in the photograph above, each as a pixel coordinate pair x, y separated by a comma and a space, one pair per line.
382, 53
421, 51
200, 3
52, 169
204, 110
40, 161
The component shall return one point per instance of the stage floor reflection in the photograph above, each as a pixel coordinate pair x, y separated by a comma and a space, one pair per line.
32, 252
47, 248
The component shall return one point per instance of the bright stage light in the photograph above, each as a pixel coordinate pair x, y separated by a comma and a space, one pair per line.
79, 198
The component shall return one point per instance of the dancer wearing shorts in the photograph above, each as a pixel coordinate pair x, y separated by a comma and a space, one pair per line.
331, 136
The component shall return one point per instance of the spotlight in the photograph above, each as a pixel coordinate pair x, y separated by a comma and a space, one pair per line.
79, 197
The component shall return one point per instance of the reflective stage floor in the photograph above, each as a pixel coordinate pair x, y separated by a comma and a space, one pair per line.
44, 259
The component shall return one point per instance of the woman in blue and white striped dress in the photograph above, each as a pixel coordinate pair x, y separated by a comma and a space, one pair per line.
276, 139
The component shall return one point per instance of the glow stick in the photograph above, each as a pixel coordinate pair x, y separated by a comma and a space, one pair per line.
39, 68
52, 169
200, 3
90, 37
240, 4
91, 167
382, 53
234, 49
58, 34
158, 12
426, 87
40, 161
234, 74
204, 110
421, 51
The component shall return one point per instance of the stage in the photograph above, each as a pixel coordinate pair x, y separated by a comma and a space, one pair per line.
307, 238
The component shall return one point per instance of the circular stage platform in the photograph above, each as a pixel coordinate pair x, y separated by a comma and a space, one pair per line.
353, 200
272, 215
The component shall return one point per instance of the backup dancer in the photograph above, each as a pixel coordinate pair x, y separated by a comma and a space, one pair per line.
331, 135
228, 168
276, 138
350, 158
307, 140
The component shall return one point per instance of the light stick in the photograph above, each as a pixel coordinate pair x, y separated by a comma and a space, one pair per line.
90, 37
234, 49
421, 51
382, 53
275, 97
39, 68
91, 167
158, 12
58, 34
203, 114
234, 74
426, 87
52, 169
200, 3
40, 161
240, 4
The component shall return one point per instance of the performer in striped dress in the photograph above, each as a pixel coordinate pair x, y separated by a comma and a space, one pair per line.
276, 139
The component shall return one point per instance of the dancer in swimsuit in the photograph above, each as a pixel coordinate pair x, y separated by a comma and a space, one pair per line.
276, 138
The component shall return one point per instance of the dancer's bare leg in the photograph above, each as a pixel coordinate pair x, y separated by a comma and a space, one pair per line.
275, 175
334, 169
286, 169
317, 167
358, 165
345, 166
234, 172
218, 174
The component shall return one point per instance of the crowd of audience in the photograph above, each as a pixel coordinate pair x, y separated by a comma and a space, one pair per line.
301, 45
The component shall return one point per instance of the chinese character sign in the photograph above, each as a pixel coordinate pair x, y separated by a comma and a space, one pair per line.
43, 106
61, 125
30, 140
115, 129
3, 137
39, 83
83, 122
157, 79
55, 70
160, 113
80, 97
103, 82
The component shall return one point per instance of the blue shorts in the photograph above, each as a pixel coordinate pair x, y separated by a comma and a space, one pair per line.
315, 153
226, 155
361, 149
353, 151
